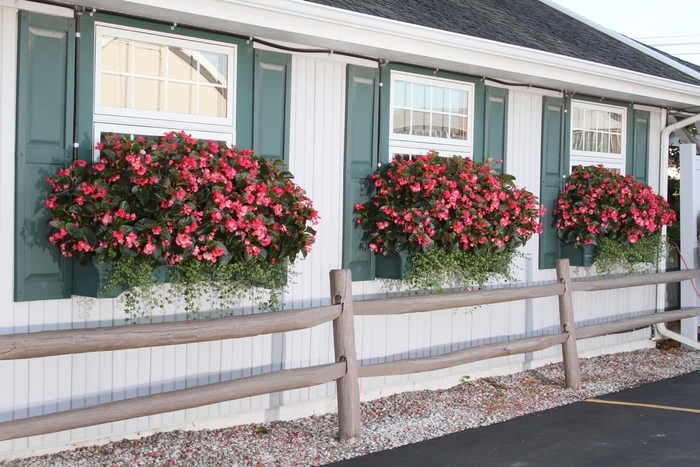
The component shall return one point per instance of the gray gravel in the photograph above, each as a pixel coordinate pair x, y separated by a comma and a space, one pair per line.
386, 423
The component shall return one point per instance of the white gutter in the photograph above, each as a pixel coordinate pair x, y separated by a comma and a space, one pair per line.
663, 331
663, 151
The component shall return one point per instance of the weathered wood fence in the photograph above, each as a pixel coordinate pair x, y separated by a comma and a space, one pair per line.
344, 371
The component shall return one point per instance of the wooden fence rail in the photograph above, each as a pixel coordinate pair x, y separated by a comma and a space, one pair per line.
344, 371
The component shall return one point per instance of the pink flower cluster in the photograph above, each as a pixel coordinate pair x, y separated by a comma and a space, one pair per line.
177, 199
597, 203
450, 202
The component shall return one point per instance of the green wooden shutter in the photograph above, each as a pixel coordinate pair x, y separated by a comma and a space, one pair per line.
361, 126
638, 156
495, 124
271, 104
553, 164
44, 133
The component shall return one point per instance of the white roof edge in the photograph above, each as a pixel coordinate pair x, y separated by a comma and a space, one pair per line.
626, 40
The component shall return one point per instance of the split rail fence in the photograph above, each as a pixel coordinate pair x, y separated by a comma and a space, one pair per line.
344, 371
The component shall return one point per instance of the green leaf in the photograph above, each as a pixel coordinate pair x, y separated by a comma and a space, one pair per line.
89, 236
73, 230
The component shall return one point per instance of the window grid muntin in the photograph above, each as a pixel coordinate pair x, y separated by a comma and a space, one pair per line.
615, 159
414, 144
164, 77
423, 110
203, 47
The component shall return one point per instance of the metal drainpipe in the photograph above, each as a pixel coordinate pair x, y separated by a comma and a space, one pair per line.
663, 331
663, 155
76, 88
661, 328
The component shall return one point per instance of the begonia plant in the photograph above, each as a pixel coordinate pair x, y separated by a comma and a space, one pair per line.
613, 212
189, 204
456, 211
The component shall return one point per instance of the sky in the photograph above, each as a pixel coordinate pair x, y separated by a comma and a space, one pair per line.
672, 26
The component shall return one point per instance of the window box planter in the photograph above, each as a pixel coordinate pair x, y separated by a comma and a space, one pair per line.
89, 279
396, 266
583, 255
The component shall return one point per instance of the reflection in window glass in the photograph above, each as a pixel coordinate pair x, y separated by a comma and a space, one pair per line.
429, 110
402, 119
595, 130
162, 78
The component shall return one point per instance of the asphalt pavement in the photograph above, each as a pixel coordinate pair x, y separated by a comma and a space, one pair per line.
653, 425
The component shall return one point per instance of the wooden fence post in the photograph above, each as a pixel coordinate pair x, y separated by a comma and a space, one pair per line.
349, 428
566, 320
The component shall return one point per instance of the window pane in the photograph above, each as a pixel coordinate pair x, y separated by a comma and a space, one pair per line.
401, 98
589, 119
421, 96
181, 64
182, 98
589, 141
603, 142
616, 123
116, 54
616, 143
577, 140
458, 101
441, 126
116, 91
148, 94
421, 124
212, 101
216, 63
402, 119
441, 99
148, 59
458, 128
603, 122
577, 121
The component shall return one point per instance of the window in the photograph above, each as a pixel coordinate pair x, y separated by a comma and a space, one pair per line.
102, 129
597, 135
149, 83
430, 114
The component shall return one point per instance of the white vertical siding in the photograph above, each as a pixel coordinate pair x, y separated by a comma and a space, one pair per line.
316, 160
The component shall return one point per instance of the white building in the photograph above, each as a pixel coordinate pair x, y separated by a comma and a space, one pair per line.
323, 85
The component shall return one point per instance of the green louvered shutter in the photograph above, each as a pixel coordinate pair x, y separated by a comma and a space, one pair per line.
44, 127
553, 163
271, 102
361, 126
638, 157
495, 124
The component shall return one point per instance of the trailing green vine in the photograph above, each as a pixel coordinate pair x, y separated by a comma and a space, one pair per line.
633, 258
439, 270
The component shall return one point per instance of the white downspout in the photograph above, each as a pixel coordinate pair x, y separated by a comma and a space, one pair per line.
663, 155
663, 187
663, 331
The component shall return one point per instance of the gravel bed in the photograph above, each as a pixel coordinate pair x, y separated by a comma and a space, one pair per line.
388, 422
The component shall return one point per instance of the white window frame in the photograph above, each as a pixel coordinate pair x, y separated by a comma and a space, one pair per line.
119, 129
412, 144
160, 119
586, 158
